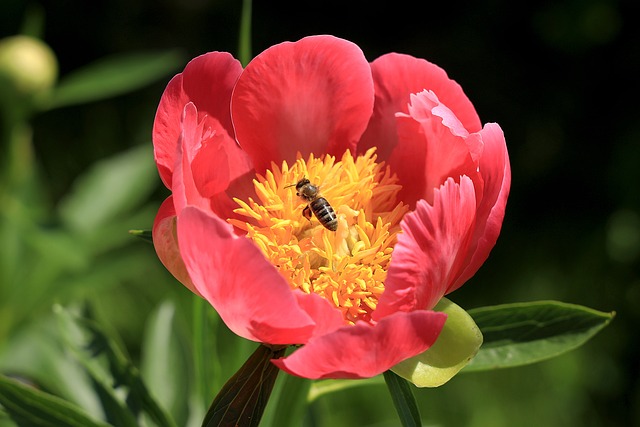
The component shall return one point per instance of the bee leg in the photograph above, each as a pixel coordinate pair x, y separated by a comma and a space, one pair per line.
307, 212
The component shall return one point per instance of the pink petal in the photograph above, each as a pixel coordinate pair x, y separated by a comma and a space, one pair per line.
211, 169
396, 77
230, 272
311, 96
365, 350
325, 315
430, 251
165, 241
221, 171
496, 173
218, 163
207, 81
185, 192
431, 148
166, 128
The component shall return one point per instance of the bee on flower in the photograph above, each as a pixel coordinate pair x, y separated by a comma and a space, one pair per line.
317, 205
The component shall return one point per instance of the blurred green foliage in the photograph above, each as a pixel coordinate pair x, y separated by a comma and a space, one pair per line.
559, 77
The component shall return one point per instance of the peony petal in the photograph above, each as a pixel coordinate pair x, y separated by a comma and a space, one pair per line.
210, 170
185, 192
365, 350
457, 344
425, 106
166, 128
221, 171
207, 81
430, 250
230, 272
396, 77
218, 163
312, 96
165, 241
432, 148
325, 314
496, 173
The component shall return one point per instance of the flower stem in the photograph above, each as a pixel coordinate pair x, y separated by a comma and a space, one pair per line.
244, 40
292, 402
403, 400
199, 320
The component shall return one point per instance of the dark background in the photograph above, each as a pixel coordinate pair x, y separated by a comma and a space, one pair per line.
561, 80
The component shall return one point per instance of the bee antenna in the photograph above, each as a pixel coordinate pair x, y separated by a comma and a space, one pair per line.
296, 184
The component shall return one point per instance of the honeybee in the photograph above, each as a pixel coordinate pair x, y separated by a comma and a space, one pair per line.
317, 205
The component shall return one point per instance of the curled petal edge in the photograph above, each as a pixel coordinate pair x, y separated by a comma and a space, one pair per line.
365, 350
397, 76
431, 251
433, 145
207, 81
495, 170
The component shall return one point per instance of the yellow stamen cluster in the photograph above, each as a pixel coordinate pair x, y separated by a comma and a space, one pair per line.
347, 267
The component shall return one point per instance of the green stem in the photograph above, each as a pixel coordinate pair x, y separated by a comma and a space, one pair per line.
244, 41
18, 204
292, 402
18, 158
199, 320
403, 400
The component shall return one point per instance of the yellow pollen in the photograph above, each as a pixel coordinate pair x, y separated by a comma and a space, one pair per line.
348, 266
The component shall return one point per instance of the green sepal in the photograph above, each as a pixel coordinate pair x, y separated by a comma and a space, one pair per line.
457, 344
145, 235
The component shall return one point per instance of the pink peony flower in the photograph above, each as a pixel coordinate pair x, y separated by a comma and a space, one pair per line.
417, 185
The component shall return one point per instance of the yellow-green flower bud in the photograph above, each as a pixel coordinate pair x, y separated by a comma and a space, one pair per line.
28, 68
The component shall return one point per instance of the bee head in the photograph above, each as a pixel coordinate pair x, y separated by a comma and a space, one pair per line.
302, 183
305, 189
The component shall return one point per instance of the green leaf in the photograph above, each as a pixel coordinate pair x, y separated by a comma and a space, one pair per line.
164, 362
34, 351
110, 188
456, 345
242, 400
403, 400
30, 407
113, 76
525, 333
206, 358
323, 387
123, 392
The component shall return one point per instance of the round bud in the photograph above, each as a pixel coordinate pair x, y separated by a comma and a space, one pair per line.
28, 68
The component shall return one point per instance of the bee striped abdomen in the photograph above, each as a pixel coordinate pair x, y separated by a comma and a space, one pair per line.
317, 205
325, 213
